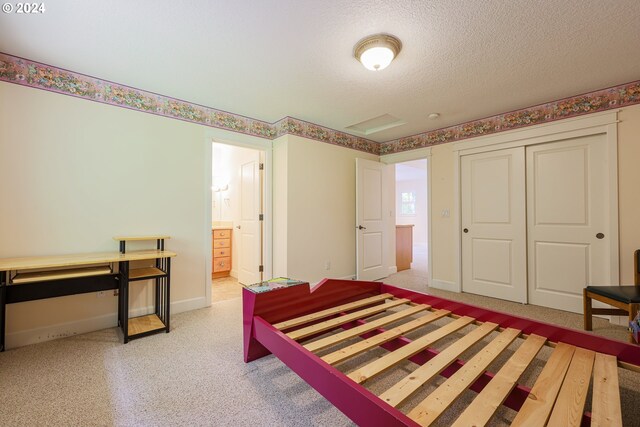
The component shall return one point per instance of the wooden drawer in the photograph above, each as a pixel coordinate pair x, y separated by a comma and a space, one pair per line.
221, 243
221, 234
221, 264
223, 252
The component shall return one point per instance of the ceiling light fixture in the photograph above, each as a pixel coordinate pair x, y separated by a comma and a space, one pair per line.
433, 116
376, 52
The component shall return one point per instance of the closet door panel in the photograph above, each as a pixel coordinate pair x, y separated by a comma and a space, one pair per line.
567, 205
493, 223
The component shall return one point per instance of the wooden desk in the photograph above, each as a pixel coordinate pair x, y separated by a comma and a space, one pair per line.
33, 278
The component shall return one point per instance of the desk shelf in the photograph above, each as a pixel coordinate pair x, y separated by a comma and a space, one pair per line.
145, 325
158, 321
145, 273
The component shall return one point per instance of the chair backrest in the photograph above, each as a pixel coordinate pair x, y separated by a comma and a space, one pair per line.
636, 267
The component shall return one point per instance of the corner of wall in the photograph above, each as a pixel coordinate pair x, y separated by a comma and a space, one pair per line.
280, 206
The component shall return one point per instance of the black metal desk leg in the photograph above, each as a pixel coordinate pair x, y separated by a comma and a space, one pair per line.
119, 301
3, 305
123, 298
158, 282
167, 297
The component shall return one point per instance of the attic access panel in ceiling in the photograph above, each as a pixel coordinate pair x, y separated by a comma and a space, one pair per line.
376, 124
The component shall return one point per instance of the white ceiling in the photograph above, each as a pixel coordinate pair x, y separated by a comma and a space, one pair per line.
267, 59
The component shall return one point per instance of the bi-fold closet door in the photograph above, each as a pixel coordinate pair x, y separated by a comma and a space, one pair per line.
535, 221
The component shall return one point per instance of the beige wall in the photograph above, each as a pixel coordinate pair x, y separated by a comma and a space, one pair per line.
320, 199
280, 206
629, 188
442, 227
76, 173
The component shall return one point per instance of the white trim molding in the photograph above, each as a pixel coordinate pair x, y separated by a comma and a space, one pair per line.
406, 156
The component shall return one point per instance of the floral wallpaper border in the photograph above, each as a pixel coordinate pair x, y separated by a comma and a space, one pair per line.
46, 77
293, 126
41, 76
600, 100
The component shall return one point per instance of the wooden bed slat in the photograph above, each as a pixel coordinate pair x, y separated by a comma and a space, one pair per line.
404, 388
387, 361
341, 320
430, 409
569, 405
330, 311
536, 409
362, 329
480, 411
359, 347
606, 410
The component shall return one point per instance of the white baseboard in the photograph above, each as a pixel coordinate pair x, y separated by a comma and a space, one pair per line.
90, 324
60, 330
444, 285
188, 305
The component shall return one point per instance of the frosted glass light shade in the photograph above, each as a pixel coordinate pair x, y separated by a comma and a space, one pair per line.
376, 52
377, 58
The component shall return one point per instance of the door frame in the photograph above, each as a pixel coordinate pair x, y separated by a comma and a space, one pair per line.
243, 141
405, 156
592, 124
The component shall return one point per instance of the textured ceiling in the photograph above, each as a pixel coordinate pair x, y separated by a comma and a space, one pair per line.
273, 58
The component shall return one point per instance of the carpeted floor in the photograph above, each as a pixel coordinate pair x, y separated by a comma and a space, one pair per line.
193, 376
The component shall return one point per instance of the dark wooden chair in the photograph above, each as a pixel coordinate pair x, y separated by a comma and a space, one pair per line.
626, 299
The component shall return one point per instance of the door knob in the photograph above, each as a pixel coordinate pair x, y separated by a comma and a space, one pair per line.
466, 230
238, 227
600, 236
361, 227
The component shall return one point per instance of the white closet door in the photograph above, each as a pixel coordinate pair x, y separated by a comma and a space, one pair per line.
493, 224
567, 210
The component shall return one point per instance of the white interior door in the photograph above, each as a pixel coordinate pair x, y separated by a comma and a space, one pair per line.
493, 224
249, 239
370, 238
568, 222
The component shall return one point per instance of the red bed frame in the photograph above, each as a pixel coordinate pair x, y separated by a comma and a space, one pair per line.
263, 310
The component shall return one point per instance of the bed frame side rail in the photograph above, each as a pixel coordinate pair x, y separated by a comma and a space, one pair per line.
358, 403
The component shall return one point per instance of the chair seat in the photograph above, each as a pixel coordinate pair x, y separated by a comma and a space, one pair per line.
626, 294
